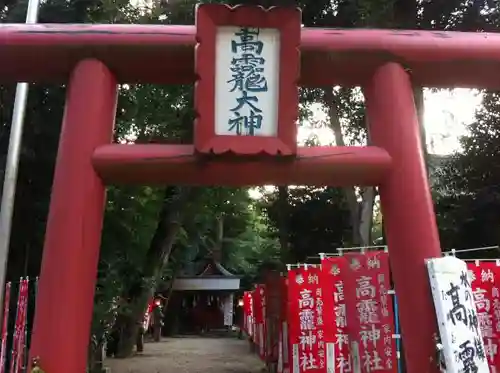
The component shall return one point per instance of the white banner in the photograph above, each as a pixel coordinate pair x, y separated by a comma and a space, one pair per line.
461, 338
228, 310
295, 358
330, 358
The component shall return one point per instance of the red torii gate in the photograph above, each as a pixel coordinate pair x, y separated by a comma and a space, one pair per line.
94, 58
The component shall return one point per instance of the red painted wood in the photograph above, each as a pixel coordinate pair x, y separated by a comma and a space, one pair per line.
68, 274
177, 164
287, 21
409, 219
329, 56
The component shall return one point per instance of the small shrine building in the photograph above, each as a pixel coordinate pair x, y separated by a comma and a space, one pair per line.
203, 298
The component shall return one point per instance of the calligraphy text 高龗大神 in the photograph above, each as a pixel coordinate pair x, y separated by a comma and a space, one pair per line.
248, 79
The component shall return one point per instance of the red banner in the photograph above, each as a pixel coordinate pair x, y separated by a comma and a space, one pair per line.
5, 326
251, 316
259, 310
19, 340
335, 318
246, 312
305, 320
485, 281
370, 314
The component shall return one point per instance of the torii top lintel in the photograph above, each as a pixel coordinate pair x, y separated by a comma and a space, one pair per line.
164, 54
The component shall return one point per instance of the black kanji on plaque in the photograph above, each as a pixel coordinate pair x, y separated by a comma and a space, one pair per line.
466, 356
458, 312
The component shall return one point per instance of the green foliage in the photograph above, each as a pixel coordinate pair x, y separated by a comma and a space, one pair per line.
317, 220
248, 250
468, 188
155, 113
246, 244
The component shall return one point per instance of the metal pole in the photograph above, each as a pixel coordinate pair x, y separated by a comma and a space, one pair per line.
12, 164
398, 332
458, 251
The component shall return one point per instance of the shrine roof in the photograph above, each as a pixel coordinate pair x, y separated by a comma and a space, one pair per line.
210, 276
207, 269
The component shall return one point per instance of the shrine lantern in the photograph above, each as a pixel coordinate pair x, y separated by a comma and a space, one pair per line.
247, 61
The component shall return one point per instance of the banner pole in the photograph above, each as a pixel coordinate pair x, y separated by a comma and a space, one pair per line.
455, 252
398, 332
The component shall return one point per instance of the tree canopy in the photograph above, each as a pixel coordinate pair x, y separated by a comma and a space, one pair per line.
467, 191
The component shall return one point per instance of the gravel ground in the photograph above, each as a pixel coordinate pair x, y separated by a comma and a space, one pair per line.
191, 355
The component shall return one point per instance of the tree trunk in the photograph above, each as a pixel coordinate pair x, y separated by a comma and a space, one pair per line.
366, 216
418, 93
157, 333
219, 239
96, 355
367, 204
349, 192
168, 295
169, 222
283, 221
127, 335
140, 340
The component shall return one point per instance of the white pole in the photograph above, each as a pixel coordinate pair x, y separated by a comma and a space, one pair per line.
12, 164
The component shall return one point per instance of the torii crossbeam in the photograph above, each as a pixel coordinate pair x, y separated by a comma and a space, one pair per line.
94, 58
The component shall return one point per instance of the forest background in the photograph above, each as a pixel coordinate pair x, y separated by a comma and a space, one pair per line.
151, 234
